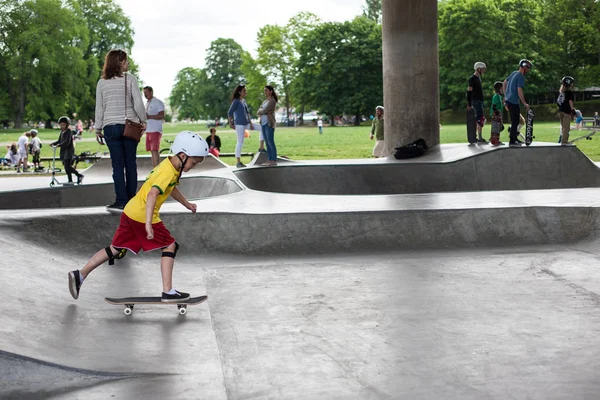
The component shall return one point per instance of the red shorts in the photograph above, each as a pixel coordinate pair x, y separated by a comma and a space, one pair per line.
131, 235
153, 141
214, 152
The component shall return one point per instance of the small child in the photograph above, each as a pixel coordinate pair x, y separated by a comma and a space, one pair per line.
11, 158
141, 228
67, 149
36, 147
214, 143
578, 119
596, 119
566, 109
496, 113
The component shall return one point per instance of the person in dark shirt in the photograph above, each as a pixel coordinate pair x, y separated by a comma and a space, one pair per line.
214, 143
67, 149
566, 110
475, 98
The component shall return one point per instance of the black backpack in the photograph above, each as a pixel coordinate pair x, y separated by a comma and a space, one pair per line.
414, 149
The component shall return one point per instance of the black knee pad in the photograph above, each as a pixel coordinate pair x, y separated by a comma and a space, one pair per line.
112, 257
169, 253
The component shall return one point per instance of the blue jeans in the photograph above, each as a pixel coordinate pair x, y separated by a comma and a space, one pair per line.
269, 135
123, 158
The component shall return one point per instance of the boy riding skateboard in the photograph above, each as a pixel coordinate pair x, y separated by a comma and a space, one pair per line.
141, 228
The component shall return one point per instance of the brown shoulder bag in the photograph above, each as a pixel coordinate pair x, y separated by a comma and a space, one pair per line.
133, 130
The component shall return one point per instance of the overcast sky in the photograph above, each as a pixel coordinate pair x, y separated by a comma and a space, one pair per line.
174, 34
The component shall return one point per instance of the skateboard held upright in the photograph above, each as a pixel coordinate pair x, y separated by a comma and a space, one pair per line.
472, 126
529, 127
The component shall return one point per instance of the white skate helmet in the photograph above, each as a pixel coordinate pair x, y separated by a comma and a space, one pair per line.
191, 144
478, 65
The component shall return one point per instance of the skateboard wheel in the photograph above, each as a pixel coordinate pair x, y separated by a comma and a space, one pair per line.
128, 310
183, 310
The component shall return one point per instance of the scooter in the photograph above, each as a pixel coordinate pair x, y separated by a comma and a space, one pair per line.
55, 181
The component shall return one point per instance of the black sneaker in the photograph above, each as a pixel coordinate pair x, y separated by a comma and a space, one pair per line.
80, 179
515, 144
115, 206
262, 151
74, 283
174, 298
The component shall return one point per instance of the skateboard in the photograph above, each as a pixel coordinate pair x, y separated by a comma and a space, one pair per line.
586, 137
529, 127
472, 126
129, 302
114, 211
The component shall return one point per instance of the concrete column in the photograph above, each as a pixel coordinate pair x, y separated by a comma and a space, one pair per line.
411, 93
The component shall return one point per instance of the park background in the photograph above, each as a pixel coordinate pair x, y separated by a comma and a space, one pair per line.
52, 51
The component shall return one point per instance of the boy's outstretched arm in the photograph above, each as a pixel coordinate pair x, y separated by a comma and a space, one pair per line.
177, 195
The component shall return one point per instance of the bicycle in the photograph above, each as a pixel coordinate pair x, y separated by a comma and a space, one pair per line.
168, 149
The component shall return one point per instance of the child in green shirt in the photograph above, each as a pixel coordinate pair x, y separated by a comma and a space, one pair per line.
496, 113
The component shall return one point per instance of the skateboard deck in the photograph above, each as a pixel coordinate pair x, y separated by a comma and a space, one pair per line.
129, 302
472, 126
114, 211
529, 127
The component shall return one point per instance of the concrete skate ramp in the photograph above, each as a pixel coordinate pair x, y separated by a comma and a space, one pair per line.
99, 194
103, 167
543, 167
364, 325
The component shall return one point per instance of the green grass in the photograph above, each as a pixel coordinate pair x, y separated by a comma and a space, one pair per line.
305, 143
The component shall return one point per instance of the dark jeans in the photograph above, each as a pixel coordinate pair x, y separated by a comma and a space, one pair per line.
269, 136
515, 117
123, 157
68, 164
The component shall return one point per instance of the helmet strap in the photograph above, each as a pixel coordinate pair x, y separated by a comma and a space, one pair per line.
182, 165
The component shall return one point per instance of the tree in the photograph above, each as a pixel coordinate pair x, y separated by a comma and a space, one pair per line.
570, 31
189, 95
341, 67
223, 67
372, 10
40, 57
51, 53
255, 82
498, 33
108, 28
276, 56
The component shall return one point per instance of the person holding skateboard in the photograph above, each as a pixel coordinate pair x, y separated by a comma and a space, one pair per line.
141, 228
475, 99
566, 110
513, 92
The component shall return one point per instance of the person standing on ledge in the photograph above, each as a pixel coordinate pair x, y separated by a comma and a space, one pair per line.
475, 98
377, 132
513, 92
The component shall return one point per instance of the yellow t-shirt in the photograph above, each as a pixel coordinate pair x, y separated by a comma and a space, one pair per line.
164, 178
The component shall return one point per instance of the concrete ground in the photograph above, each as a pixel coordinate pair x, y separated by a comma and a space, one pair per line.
481, 295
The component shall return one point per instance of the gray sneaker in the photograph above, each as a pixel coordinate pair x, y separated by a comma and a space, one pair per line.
240, 165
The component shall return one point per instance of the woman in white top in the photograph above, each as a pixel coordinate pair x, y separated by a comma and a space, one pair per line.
112, 109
